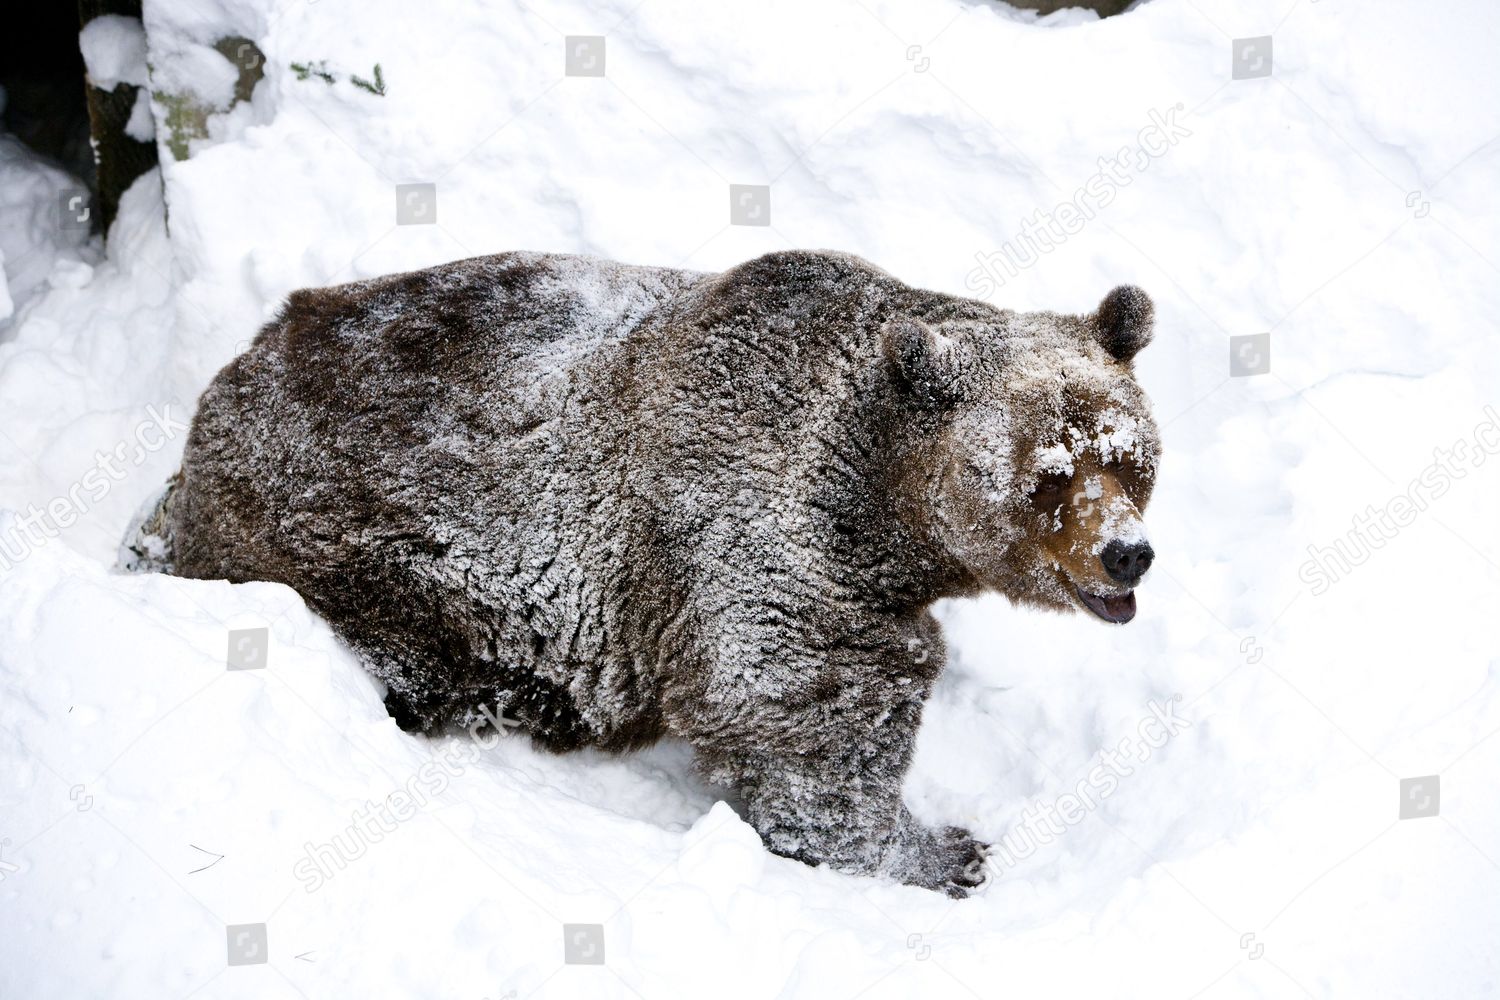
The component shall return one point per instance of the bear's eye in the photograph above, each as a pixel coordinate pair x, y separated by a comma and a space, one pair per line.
1128, 474
1051, 490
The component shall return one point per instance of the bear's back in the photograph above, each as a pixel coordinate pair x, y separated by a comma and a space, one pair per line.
511, 325
383, 402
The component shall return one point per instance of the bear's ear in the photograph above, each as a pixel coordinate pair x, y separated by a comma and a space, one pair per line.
921, 361
1123, 323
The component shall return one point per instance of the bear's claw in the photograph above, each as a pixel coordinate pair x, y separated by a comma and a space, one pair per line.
964, 857
947, 860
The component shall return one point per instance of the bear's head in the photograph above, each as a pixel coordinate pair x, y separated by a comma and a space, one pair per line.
1038, 449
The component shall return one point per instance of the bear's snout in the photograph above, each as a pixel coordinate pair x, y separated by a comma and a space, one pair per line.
1127, 562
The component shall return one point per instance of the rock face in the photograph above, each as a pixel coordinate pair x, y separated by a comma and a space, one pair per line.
621, 502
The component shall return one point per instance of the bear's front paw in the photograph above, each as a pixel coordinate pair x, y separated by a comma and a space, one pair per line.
948, 860
962, 859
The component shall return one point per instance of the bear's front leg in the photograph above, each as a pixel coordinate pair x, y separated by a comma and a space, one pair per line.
847, 813
821, 762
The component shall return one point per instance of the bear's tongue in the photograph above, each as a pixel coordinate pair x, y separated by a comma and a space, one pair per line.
1116, 610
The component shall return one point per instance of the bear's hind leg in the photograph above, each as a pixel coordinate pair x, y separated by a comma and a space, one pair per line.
414, 715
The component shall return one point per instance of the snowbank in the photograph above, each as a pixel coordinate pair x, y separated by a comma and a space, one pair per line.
46, 224
1320, 641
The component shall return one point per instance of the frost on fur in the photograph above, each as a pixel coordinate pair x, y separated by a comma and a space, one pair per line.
622, 502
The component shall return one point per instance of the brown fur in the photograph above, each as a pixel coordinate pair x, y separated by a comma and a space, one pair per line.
623, 502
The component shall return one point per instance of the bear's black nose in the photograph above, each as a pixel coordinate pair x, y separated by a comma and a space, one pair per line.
1126, 562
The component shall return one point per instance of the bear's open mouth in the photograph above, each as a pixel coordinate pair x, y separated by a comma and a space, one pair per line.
1116, 610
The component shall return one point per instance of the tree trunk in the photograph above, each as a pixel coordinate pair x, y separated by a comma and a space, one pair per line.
118, 158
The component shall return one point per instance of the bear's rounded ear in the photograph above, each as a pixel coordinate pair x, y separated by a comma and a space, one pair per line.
1123, 322
919, 357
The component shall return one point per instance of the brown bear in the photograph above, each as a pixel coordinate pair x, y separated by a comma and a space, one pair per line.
627, 502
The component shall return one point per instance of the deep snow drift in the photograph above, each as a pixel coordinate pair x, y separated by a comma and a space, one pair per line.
1320, 606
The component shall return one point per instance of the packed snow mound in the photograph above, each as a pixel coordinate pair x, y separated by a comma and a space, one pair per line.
44, 229
1277, 782
114, 51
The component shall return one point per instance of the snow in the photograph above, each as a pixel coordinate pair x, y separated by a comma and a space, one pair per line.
140, 126
114, 51
7, 304
1346, 205
34, 238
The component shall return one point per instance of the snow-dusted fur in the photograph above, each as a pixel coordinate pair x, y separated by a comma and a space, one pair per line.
622, 502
